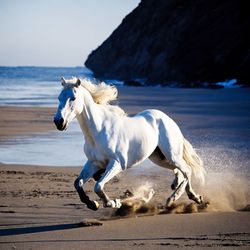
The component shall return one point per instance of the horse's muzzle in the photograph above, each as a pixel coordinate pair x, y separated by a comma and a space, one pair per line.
60, 124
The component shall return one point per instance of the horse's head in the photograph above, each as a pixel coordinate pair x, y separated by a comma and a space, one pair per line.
70, 103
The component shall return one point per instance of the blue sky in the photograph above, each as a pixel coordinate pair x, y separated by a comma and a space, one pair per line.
56, 32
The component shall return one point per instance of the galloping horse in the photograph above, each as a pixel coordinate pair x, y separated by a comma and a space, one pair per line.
115, 142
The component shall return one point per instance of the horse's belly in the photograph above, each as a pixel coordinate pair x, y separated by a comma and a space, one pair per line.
140, 150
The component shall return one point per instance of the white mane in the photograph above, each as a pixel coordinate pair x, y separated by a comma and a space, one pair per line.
101, 93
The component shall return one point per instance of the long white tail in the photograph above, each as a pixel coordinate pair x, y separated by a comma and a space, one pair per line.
193, 160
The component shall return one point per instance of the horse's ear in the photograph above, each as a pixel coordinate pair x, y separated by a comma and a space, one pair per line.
78, 82
63, 81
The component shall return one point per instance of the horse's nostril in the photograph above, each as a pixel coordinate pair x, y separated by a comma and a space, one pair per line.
59, 123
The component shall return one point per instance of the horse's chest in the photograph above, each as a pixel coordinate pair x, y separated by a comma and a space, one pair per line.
97, 154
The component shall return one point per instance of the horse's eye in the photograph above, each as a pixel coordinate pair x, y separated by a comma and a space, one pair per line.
73, 98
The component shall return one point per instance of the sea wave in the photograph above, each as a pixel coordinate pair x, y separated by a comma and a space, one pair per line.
34, 86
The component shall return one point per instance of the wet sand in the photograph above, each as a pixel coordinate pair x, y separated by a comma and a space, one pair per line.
40, 209
20, 121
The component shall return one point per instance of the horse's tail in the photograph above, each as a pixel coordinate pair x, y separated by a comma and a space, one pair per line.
193, 160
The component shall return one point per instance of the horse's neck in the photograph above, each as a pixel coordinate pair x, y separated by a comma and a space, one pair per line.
90, 119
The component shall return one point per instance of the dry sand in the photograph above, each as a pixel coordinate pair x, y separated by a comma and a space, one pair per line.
40, 209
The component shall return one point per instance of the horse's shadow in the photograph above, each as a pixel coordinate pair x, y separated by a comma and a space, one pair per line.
38, 229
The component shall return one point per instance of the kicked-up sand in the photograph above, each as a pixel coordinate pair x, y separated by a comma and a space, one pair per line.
40, 209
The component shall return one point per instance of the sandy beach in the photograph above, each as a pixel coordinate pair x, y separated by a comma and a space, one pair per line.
40, 209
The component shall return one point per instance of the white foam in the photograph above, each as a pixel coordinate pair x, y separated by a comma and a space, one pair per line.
229, 83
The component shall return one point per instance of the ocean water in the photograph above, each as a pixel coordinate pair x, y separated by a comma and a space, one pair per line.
34, 86
40, 86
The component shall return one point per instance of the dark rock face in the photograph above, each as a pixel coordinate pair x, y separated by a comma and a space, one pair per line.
184, 41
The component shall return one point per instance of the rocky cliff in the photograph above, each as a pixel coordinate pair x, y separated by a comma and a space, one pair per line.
178, 41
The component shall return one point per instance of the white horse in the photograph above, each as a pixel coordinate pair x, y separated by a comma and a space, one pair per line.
115, 141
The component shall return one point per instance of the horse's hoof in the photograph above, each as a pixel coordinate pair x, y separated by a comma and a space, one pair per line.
113, 203
93, 205
199, 199
169, 203
118, 203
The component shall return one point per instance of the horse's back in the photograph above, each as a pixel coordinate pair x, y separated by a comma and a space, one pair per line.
163, 121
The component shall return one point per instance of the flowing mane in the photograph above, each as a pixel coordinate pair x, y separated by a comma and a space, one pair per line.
103, 94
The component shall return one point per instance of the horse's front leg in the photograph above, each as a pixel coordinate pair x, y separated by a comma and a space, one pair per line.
87, 172
112, 170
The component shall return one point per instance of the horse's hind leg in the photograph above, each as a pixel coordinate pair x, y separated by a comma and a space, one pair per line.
178, 165
159, 159
185, 185
162, 157
192, 195
177, 180
186, 172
